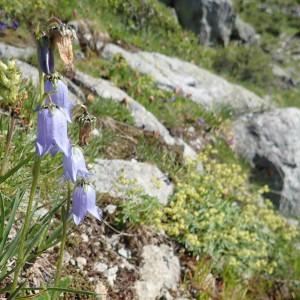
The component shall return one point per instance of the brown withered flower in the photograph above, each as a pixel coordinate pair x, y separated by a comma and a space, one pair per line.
86, 123
62, 36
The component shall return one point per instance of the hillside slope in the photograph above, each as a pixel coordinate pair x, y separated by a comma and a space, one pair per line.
183, 192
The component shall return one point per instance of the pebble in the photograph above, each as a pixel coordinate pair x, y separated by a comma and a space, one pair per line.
81, 262
125, 253
84, 238
100, 267
110, 209
111, 274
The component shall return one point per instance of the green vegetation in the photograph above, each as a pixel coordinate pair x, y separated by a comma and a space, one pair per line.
217, 216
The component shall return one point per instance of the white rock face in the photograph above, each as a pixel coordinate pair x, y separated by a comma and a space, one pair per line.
142, 118
121, 178
160, 272
8, 52
271, 142
200, 85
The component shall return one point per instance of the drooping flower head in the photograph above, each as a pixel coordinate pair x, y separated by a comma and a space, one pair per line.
45, 54
74, 165
84, 201
52, 131
58, 94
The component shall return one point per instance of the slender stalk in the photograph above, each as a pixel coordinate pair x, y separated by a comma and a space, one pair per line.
9, 137
65, 216
21, 255
35, 176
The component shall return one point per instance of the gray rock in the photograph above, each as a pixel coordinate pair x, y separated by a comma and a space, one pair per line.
211, 20
143, 118
201, 86
100, 267
160, 272
81, 262
11, 52
111, 274
285, 76
28, 72
245, 32
129, 179
271, 142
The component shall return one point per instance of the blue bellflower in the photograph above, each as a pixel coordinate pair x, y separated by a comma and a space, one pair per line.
84, 201
58, 92
52, 132
74, 165
45, 55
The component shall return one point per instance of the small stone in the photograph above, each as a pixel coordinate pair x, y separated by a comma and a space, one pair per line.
125, 253
111, 275
100, 267
67, 257
110, 209
81, 262
84, 238
191, 129
72, 262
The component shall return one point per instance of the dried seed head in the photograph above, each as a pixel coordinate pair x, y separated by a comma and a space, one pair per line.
86, 123
62, 36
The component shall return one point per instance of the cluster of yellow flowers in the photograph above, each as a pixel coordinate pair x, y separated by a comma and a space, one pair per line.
219, 213
10, 82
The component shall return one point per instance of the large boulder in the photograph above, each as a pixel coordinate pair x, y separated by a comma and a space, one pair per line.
130, 179
214, 21
271, 143
212, 92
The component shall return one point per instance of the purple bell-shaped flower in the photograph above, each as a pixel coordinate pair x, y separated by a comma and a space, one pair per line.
52, 131
84, 201
58, 92
45, 55
74, 165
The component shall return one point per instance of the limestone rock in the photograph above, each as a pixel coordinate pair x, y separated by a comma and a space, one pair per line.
121, 178
271, 142
244, 32
211, 20
11, 52
201, 86
160, 272
143, 118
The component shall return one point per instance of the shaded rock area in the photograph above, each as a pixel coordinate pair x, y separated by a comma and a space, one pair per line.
129, 179
244, 32
214, 21
271, 142
201, 86
143, 118
159, 273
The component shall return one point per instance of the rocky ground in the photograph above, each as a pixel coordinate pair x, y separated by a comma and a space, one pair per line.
138, 262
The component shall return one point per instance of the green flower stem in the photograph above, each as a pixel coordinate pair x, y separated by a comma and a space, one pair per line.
21, 255
35, 176
65, 217
9, 137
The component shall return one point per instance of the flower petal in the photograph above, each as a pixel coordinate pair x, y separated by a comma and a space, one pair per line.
44, 132
58, 92
79, 208
60, 131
